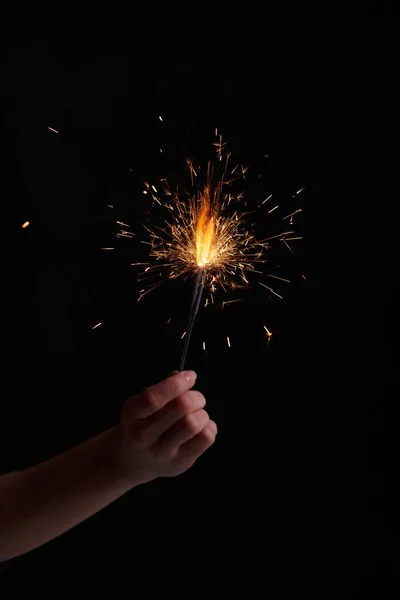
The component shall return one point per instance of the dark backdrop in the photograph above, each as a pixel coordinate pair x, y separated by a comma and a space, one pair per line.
293, 491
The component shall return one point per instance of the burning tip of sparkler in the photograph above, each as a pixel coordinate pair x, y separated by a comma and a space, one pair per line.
25, 225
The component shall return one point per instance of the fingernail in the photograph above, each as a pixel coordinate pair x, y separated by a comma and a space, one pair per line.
190, 376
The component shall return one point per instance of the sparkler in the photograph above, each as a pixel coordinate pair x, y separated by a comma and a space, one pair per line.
206, 236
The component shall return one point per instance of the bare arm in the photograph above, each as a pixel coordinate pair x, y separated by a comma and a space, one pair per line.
44, 501
162, 432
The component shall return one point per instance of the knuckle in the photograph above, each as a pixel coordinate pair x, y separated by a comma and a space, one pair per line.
213, 426
176, 385
191, 423
194, 422
208, 435
189, 401
200, 399
141, 435
184, 403
150, 399
173, 386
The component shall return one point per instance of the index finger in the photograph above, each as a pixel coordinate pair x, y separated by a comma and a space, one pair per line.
157, 396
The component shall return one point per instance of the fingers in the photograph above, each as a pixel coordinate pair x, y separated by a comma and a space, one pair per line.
157, 396
160, 422
198, 444
187, 427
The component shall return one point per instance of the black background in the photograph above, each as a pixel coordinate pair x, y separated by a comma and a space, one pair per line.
294, 491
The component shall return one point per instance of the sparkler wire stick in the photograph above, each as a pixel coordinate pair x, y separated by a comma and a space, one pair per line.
197, 293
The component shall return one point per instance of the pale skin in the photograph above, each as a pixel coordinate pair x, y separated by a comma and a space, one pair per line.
162, 432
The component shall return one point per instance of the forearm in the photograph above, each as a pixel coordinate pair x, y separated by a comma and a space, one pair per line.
42, 502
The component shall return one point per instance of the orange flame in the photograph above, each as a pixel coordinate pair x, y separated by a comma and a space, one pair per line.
205, 231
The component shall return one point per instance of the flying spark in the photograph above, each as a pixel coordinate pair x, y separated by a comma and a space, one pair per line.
269, 334
25, 225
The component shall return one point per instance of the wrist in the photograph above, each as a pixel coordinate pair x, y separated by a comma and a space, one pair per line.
121, 474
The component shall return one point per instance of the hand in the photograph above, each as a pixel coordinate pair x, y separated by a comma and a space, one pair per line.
163, 430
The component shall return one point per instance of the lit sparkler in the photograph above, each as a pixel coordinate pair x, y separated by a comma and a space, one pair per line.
205, 235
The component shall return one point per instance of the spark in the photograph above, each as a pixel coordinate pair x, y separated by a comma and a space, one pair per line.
107, 248
270, 289
300, 190
269, 334
223, 304
110, 206
51, 129
266, 199
183, 335
25, 225
293, 213
228, 340
126, 234
160, 117
272, 209
98, 325
169, 320
204, 347
280, 278
286, 244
